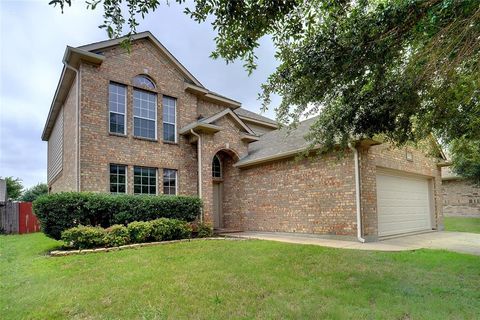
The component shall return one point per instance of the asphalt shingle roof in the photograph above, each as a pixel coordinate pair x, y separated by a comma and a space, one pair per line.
278, 142
255, 116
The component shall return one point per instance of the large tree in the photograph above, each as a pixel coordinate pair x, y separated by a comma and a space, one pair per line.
399, 68
14, 188
31, 194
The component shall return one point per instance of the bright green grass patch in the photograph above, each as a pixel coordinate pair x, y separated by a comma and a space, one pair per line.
235, 279
462, 224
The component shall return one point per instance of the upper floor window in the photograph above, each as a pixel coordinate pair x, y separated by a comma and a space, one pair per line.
144, 114
216, 167
118, 178
143, 81
169, 119
144, 180
117, 101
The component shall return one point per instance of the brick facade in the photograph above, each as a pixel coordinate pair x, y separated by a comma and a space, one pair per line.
460, 198
311, 195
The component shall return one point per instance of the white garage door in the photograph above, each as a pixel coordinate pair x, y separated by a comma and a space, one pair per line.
403, 204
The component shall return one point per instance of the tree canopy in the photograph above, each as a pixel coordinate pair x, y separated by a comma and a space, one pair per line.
399, 68
31, 194
14, 188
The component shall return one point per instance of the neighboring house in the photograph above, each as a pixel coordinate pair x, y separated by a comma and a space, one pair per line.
140, 123
460, 197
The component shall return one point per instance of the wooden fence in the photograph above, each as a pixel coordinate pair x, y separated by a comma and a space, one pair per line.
17, 217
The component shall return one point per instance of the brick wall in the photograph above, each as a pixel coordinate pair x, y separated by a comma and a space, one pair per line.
99, 148
314, 195
460, 198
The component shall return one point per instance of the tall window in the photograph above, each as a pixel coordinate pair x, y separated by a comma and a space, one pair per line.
117, 101
169, 119
216, 167
144, 180
170, 181
118, 178
144, 114
143, 81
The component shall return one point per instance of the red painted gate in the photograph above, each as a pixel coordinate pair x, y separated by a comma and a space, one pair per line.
27, 221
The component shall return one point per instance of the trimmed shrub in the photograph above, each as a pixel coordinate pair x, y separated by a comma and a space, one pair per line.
139, 231
204, 230
169, 229
60, 211
84, 237
116, 235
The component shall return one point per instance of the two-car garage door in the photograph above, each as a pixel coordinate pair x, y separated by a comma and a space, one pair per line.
403, 204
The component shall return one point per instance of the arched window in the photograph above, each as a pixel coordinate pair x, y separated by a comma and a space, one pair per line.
143, 81
216, 167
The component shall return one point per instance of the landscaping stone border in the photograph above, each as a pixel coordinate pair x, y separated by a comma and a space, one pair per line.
62, 253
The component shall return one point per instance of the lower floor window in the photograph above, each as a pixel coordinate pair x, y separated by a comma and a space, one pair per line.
170, 181
144, 180
118, 178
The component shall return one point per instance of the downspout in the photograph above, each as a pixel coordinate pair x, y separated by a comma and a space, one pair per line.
77, 118
199, 161
357, 193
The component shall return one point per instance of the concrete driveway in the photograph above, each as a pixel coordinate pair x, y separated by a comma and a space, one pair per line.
453, 241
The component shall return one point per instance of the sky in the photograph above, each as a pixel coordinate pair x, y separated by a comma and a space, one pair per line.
33, 37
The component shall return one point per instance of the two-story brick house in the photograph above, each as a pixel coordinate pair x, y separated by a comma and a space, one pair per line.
139, 122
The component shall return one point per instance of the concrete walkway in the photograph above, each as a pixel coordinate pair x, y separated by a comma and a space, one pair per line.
453, 241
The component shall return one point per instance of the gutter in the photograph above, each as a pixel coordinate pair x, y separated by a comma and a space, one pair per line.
357, 193
77, 120
199, 161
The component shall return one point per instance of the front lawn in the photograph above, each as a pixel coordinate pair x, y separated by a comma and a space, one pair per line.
218, 279
462, 224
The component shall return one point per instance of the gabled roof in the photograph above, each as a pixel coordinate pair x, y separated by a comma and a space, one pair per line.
250, 116
224, 113
143, 35
207, 124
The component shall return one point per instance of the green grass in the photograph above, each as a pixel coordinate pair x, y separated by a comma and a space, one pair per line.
462, 224
235, 279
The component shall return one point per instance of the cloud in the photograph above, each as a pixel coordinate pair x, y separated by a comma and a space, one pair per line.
30, 65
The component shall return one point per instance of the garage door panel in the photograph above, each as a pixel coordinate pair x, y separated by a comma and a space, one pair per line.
403, 204
420, 218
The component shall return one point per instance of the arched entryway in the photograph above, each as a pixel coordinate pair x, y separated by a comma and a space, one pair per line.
224, 181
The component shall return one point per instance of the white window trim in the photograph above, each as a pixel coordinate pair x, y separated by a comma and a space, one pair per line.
126, 177
142, 76
126, 108
174, 124
176, 182
156, 113
156, 181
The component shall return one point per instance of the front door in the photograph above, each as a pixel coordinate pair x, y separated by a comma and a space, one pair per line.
217, 205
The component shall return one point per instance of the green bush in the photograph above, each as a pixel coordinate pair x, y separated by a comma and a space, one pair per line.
139, 231
204, 230
60, 211
162, 229
116, 235
84, 237
169, 229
